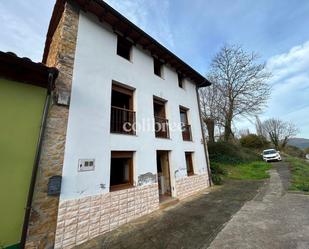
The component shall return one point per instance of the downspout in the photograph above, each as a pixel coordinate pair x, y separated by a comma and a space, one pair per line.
203, 134
51, 78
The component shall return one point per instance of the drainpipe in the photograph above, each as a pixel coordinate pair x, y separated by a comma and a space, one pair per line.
203, 133
51, 78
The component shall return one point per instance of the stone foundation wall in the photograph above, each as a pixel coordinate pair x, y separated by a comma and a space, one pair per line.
190, 185
82, 219
43, 216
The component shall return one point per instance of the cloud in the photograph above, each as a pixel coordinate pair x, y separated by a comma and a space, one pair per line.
21, 32
151, 16
291, 80
289, 64
290, 84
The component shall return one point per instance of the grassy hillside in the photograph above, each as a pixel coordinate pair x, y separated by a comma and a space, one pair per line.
300, 174
232, 161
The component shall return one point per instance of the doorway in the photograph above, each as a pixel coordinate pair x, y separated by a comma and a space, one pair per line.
164, 179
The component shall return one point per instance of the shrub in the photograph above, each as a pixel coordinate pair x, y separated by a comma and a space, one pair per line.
294, 151
216, 173
231, 153
253, 141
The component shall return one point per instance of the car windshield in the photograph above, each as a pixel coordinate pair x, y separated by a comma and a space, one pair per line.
267, 152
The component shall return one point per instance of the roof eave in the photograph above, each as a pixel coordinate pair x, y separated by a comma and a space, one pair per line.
106, 13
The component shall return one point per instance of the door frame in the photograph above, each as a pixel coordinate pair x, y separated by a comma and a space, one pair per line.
169, 169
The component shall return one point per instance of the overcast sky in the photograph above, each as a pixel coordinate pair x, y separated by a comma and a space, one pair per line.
195, 31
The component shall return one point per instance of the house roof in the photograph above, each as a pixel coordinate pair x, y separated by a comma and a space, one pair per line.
120, 24
24, 70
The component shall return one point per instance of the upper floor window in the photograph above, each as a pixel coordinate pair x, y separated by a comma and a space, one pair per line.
124, 47
122, 114
157, 67
180, 80
186, 128
161, 122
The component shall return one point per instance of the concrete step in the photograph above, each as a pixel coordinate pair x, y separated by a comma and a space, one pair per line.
168, 202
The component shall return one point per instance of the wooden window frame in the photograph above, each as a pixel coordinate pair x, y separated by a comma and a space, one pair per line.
162, 102
190, 172
186, 124
123, 154
162, 119
121, 88
184, 110
128, 114
124, 43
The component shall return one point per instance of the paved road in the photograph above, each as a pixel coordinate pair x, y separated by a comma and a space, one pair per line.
240, 215
191, 224
273, 219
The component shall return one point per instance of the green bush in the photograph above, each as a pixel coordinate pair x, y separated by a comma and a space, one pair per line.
230, 153
223, 155
217, 171
253, 141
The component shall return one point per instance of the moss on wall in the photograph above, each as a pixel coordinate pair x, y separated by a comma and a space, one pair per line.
21, 107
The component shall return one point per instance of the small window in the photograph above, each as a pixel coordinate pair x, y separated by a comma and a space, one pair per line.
121, 175
124, 48
189, 164
185, 127
157, 66
180, 80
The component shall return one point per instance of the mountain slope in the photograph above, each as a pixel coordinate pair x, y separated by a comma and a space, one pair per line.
301, 143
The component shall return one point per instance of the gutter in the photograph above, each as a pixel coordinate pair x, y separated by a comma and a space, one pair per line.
53, 73
204, 84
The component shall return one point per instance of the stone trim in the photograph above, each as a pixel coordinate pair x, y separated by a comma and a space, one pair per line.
43, 216
80, 220
191, 184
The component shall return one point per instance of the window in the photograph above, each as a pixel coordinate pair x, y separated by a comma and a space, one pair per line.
189, 164
180, 80
121, 175
157, 66
161, 123
124, 47
122, 114
185, 127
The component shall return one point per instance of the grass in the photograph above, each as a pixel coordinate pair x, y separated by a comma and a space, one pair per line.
232, 161
300, 174
247, 171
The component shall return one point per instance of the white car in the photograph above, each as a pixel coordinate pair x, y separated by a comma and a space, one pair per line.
271, 155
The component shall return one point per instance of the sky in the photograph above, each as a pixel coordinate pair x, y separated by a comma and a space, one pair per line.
195, 31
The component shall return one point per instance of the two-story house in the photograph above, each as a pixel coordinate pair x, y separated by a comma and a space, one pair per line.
128, 125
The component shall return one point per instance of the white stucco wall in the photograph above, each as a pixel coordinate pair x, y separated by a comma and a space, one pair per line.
88, 135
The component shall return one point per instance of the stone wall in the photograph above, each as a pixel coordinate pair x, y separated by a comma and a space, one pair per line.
43, 217
190, 185
82, 219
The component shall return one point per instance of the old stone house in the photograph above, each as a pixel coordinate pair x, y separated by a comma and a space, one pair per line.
113, 78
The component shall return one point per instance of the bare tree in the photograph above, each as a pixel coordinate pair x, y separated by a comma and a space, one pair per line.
210, 99
260, 131
279, 132
241, 81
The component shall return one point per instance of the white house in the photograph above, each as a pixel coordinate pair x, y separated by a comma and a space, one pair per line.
116, 77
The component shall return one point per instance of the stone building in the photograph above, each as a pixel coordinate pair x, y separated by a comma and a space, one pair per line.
124, 130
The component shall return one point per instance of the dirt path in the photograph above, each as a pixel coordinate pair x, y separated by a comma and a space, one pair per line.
273, 219
193, 223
